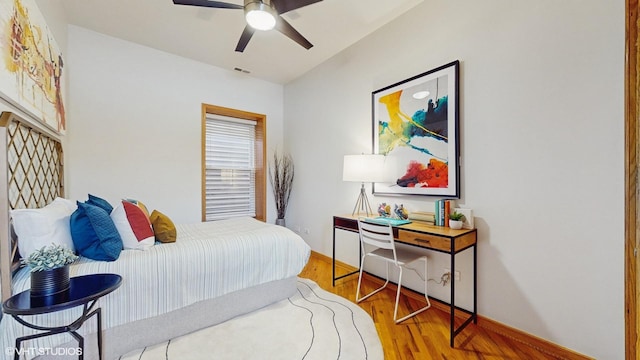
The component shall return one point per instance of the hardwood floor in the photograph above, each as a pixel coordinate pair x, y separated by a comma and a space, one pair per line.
425, 336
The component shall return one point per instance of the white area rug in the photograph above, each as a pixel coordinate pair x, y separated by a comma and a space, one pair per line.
313, 324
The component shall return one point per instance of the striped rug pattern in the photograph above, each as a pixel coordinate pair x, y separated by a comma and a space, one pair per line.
312, 325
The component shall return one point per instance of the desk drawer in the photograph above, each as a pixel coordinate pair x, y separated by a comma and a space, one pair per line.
345, 223
425, 240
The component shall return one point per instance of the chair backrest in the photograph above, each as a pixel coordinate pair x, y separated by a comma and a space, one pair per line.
378, 235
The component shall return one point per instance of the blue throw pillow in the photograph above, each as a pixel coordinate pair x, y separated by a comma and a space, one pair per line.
94, 234
100, 202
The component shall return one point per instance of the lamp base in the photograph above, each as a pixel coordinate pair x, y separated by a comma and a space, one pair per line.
362, 204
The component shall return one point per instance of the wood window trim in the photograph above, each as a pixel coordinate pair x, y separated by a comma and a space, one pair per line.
632, 187
260, 150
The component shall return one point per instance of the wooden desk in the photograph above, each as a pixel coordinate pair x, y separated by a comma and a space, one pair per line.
436, 238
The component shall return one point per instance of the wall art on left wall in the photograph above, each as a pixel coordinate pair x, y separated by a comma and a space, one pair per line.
31, 65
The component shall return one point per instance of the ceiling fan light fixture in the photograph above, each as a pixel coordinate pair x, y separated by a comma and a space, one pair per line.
260, 16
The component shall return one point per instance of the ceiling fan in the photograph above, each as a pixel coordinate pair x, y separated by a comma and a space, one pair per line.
260, 15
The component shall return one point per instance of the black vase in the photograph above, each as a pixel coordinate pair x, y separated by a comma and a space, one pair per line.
49, 282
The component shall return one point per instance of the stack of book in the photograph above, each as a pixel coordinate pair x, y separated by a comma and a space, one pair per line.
443, 208
422, 216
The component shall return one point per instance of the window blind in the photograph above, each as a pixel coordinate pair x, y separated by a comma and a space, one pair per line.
229, 167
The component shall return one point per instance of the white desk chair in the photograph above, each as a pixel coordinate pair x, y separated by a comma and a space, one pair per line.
380, 238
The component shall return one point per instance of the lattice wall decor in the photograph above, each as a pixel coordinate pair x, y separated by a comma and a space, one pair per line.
34, 178
35, 164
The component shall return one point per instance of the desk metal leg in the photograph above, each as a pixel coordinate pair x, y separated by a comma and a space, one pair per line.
475, 284
333, 259
473, 315
452, 301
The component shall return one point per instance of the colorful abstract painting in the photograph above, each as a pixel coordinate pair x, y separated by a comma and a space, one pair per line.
31, 63
416, 122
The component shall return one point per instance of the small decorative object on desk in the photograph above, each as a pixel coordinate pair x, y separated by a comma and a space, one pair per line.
384, 210
49, 269
400, 211
455, 220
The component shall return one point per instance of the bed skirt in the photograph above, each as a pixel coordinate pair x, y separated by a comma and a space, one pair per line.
122, 339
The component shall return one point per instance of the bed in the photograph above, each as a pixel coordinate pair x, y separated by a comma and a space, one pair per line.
213, 272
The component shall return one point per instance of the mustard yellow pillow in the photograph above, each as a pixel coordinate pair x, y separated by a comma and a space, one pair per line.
163, 227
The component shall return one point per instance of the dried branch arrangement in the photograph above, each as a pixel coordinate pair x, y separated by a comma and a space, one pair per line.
281, 175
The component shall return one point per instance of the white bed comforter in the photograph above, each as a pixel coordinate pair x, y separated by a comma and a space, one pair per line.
207, 260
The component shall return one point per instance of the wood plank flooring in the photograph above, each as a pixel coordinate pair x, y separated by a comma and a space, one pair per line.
425, 336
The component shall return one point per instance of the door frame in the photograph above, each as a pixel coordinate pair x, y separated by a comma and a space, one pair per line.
632, 59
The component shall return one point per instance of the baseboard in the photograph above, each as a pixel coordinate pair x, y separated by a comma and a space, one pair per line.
339, 264
530, 340
533, 341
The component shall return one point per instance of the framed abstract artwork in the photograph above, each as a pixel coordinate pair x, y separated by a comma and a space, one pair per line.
31, 76
415, 121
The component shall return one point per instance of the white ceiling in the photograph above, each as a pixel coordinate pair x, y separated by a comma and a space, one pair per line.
210, 35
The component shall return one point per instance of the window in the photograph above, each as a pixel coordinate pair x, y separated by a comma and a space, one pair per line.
233, 181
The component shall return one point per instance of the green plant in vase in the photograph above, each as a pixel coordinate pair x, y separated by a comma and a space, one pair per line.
49, 269
50, 257
456, 220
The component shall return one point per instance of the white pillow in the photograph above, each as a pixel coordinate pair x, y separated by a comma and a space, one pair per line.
36, 228
133, 226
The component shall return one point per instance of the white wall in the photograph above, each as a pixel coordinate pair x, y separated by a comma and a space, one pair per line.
134, 126
542, 153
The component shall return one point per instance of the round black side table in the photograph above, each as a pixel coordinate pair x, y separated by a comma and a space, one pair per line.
83, 290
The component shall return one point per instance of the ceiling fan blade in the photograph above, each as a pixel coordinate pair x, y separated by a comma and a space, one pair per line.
284, 27
244, 38
209, 4
283, 6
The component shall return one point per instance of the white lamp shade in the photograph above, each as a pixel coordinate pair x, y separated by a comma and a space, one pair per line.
365, 168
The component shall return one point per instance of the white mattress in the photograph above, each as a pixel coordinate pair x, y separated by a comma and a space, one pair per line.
207, 260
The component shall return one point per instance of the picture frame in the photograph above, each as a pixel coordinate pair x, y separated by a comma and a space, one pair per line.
416, 122
31, 65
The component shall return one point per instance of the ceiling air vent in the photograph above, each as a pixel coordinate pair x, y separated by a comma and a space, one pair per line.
242, 70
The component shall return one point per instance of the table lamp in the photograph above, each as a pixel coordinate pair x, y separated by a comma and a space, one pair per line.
364, 168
